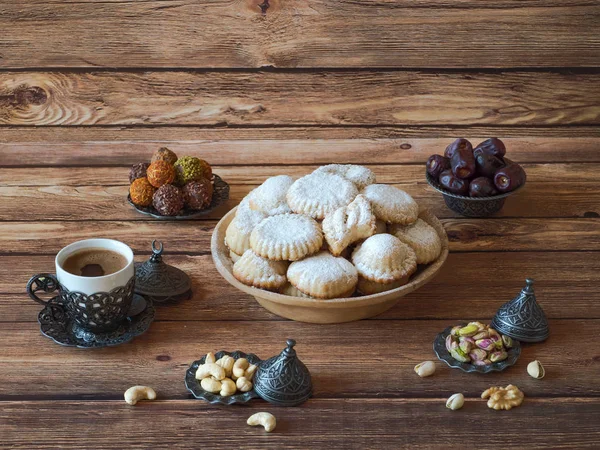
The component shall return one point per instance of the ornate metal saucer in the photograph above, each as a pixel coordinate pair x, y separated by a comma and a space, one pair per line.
522, 318
220, 196
159, 281
471, 206
439, 347
194, 387
56, 324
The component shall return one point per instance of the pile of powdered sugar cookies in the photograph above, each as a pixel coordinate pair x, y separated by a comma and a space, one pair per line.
333, 233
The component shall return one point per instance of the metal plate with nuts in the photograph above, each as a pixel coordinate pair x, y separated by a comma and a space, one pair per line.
439, 347
193, 385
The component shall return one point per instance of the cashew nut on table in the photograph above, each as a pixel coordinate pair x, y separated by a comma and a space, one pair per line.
136, 393
267, 420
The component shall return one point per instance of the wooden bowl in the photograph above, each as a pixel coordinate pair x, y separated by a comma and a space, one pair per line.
335, 310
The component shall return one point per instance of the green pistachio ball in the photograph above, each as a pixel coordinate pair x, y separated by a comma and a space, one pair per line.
188, 168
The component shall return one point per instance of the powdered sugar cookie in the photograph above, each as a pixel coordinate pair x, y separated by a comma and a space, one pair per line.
323, 276
391, 204
384, 259
269, 197
359, 175
286, 237
237, 235
320, 193
349, 224
259, 272
422, 238
290, 290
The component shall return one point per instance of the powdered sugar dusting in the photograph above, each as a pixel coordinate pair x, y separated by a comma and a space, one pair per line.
359, 175
391, 204
270, 197
383, 257
422, 237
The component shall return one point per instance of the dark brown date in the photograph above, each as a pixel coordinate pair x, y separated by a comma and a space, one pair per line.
491, 146
436, 164
459, 144
463, 163
453, 184
482, 187
487, 164
509, 178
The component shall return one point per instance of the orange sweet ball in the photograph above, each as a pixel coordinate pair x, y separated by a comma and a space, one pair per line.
141, 192
160, 173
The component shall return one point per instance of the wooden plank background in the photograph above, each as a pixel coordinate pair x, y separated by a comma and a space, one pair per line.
89, 87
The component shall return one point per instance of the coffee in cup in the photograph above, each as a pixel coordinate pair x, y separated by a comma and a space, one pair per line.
94, 262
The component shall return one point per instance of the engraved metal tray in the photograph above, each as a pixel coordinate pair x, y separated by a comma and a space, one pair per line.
439, 347
194, 387
220, 196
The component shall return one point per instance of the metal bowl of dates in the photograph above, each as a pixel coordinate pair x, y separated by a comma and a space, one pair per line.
439, 347
193, 385
472, 206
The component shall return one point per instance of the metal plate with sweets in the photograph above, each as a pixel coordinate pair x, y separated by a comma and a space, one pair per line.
193, 385
439, 347
220, 196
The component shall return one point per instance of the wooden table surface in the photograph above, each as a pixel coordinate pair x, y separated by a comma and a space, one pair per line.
88, 88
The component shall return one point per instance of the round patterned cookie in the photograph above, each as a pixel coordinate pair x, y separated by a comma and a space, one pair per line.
359, 175
384, 259
422, 238
320, 193
237, 235
323, 276
286, 237
269, 197
259, 272
391, 204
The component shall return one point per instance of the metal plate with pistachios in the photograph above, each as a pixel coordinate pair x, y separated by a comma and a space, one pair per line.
441, 350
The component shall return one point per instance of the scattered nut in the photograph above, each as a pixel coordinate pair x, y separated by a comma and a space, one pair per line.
425, 369
210, 370
267, 420
243, 384
536, 370
227, 387
503, 398
455, 402
239, 367
211, 385
137, 393
226, 362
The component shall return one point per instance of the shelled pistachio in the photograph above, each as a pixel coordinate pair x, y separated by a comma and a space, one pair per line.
478, 344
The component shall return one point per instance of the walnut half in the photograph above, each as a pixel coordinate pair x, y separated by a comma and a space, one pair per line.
503, 398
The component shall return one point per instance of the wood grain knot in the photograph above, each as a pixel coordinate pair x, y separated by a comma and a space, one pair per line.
28, 95
463, 235
406, 146
163, 358
591, 214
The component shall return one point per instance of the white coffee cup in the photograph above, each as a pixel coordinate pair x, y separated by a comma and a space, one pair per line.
92, 285
97, 304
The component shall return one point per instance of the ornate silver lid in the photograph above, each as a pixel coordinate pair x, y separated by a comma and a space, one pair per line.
159, 281
522, 318
283, 380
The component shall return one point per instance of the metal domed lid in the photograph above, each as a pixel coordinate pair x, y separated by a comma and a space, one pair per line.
522, 318
283, 380
159, 281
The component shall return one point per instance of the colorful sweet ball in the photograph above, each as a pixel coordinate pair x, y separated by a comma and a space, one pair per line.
138, 171
141, 192
164, 154
190, 168
168, 200
160, 173
198, 194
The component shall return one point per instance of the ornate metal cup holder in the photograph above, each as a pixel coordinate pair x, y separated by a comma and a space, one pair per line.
194, 387
220, 196
439, 347
57, 324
